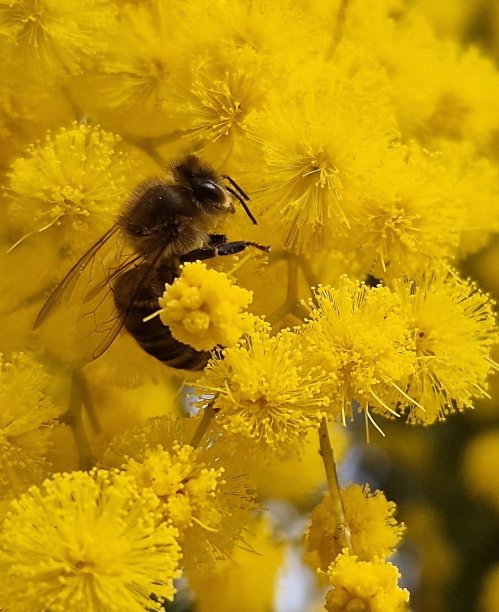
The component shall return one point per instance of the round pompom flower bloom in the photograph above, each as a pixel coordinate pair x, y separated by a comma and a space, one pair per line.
267, 388
447, 95
202, 491
453, 326
212, 106
374, 530
27, 417
184, 484
408, 217
130, 81
47, 38
70, 186
203, 308
364, 585
309, 154
362, 337
87, 541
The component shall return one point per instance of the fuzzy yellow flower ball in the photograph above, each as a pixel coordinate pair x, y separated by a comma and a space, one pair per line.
268, 388
364, 585
374, 530
203, 308
203, 492
27, 418
87, 541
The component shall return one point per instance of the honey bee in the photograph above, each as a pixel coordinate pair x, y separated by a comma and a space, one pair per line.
117, 282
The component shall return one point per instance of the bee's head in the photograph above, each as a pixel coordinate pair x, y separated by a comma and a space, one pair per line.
203, 184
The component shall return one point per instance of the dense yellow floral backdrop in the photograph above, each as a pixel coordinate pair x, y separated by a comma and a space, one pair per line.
352, 340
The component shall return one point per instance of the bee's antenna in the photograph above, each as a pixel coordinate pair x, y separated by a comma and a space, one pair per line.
240, 195
243, 204
236, 186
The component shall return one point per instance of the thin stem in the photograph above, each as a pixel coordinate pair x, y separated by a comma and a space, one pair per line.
308, 273
299, 311
291, 290
88, 404
152, 152
278, 314
203, 426
277, 256
148, 142
28, 302
292, 305
326, 451
338, 30
75, 107
74, 418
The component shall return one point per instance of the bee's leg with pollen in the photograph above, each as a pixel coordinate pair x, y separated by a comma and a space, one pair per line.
229, 248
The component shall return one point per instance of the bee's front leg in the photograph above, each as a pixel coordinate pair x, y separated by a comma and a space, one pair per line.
229, 248
216, 240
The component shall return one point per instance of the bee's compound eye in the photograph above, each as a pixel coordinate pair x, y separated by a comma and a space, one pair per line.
209, 185
211, 193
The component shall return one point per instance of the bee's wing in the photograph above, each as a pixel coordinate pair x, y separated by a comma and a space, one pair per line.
87, 290
99, 320
66, 288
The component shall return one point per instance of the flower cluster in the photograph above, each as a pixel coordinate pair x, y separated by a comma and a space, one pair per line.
88, 540
201, 490
80, 179
28, 416
202, 308
268, 388
374, 531
360, 334
368, 585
